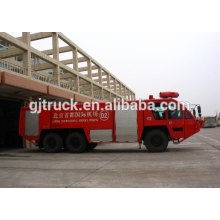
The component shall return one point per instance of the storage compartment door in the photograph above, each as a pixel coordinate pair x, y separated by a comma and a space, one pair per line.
126, 124
31, 124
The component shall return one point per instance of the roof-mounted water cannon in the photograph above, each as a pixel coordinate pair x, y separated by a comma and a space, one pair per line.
169, 94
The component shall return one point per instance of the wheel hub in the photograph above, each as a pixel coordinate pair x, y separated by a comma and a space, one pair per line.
156, 141
52, 143
75, 142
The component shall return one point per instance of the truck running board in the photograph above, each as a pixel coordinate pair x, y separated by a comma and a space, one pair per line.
177, 140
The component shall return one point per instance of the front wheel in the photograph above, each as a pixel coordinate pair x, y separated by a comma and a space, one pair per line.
156, 141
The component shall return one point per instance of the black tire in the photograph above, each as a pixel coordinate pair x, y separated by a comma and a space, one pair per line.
91, 146
76, 142
156, 141
53, 143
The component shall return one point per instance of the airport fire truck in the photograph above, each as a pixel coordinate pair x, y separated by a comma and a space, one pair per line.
152, 122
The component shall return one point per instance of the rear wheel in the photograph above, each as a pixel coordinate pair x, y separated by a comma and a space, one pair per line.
156, 141
53, 143
76, 142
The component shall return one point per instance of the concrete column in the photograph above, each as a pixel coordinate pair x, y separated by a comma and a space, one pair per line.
56, 73
56, 69
76, 83
75, 59
89, 67
129, 96
102, 94
55, 46
36, 60
91, 89
108, 81
120, 89
126, 93
115, 85
75, 67
100, 75
26, 37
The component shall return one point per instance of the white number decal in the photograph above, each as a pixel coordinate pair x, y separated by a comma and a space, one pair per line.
104, 115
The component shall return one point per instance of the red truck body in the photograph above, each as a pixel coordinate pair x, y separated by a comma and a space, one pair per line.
78, 130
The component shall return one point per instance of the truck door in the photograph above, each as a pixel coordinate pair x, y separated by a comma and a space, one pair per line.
175, 122
189, 124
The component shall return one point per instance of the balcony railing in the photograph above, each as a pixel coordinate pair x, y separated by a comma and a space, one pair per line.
67, 86
97, 97
87, 93
36, 75
12, 67
43, 78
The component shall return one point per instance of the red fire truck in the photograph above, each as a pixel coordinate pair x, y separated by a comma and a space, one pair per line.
80, 129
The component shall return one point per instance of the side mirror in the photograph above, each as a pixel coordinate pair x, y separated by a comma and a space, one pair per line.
199, 109
194, 112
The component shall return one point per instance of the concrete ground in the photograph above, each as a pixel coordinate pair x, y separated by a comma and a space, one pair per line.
193, 163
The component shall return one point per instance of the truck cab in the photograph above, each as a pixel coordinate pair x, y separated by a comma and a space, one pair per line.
168, 121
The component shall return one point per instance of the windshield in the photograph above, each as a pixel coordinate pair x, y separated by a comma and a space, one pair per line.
210, 120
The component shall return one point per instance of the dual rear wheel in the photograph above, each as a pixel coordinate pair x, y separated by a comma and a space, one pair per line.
75, 143
53, 143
